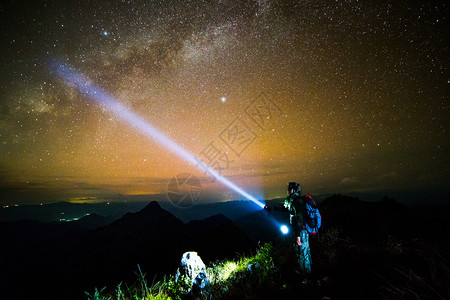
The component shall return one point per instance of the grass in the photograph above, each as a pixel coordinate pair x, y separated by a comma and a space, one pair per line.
227, 279
343, 268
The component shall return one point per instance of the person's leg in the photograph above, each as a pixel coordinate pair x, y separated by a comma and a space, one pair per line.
304, 253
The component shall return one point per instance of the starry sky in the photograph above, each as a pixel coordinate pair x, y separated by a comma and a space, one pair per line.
343, 96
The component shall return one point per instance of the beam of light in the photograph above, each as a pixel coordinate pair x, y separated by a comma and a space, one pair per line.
105, 100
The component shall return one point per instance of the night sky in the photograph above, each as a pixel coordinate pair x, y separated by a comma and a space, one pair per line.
343, 96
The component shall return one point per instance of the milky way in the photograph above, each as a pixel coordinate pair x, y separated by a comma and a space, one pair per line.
343, 96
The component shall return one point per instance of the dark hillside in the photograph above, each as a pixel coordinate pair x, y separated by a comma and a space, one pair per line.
59, 260
365, 250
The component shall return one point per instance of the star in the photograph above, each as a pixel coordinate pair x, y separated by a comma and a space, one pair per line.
344, 78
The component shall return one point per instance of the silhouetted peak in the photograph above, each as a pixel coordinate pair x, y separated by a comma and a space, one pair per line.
220, 217
212, 223
152, 206
152, 213
215, 219
151, 209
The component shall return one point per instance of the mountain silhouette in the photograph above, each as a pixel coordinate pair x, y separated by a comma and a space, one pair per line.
63, 260
216, 237
92, 221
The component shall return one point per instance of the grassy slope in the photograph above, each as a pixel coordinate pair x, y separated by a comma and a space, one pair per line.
343, 269
364, 251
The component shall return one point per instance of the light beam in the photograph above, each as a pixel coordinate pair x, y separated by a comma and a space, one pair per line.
85, 86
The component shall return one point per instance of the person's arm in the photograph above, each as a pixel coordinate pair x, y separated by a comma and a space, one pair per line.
297, 232
272, 207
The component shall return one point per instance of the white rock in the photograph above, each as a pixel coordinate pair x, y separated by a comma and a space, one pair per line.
192, 270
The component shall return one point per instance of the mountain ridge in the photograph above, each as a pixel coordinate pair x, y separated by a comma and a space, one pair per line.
152, 237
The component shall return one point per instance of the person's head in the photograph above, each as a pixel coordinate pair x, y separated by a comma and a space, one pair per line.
294, 187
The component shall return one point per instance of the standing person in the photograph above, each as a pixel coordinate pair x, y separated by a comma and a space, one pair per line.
296, 203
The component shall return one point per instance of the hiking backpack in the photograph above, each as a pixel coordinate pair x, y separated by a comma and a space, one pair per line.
313, 217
